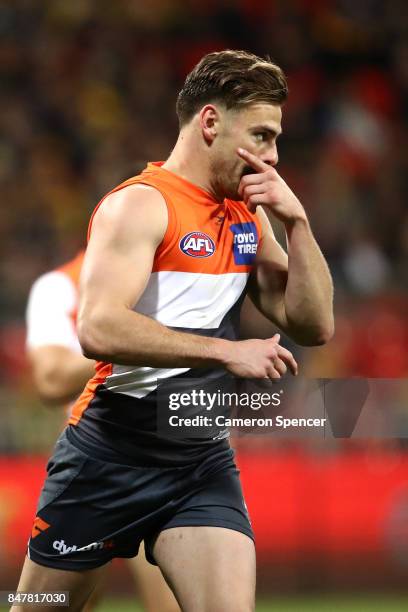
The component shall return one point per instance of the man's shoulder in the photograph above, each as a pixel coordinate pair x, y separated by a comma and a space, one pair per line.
134, 210
136, 192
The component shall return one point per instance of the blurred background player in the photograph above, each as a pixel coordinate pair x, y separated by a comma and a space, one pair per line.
60, 372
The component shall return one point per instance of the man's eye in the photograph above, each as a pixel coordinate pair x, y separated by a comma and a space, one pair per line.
260, 136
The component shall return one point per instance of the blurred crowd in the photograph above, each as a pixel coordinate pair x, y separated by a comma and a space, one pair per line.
90, 90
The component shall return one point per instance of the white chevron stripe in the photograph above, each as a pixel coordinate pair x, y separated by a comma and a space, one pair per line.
186, 299
137, 381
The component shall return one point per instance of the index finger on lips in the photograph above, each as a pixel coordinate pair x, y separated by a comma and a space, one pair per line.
255, 162
288, 358
250, 179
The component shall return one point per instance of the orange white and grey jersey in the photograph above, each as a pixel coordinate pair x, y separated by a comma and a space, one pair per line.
52, 308
197, 283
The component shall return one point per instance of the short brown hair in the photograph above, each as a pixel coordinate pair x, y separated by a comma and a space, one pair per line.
233, 78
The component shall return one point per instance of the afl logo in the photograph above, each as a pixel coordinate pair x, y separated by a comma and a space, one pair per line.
197, 244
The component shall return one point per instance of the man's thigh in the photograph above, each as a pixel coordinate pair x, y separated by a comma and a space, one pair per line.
91, 511
36, 578
210, 569
154, 593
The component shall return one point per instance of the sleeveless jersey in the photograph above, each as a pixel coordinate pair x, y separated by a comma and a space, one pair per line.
197, 285
72, 268
52, 307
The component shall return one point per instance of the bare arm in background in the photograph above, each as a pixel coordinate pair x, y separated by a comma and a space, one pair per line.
59, 369
59, 373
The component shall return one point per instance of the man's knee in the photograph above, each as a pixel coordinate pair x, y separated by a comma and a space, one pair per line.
37, 578
232, 605
239, 599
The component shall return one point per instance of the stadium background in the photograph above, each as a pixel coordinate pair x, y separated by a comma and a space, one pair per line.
90, 90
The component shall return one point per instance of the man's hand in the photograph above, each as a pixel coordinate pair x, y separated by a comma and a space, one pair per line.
266, 187
260, 359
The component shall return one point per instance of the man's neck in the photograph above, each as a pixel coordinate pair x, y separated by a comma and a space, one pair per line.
190, 163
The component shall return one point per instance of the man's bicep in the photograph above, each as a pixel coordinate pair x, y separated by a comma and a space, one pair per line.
126, 231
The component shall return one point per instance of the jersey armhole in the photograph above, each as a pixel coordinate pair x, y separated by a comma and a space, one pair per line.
168, 237
171, 233
259, 228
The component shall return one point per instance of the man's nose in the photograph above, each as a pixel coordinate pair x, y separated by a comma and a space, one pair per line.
271, 157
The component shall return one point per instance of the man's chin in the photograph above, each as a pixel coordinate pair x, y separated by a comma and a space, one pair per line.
232, 194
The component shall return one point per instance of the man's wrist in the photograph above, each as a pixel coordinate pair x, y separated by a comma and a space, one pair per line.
221, 351
299, 218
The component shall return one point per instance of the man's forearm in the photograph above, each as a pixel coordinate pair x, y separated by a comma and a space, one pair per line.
308, 296
128, 338
59, 373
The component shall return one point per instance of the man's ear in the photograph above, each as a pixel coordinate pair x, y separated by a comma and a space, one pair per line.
209, 122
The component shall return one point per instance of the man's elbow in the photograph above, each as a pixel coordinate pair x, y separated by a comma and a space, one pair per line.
319, 336
94, 343
316, 335
323, 336
91, 346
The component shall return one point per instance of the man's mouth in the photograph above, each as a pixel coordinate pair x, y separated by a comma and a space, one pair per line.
247, 170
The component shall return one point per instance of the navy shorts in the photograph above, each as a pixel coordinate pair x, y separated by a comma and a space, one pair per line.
91, 511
